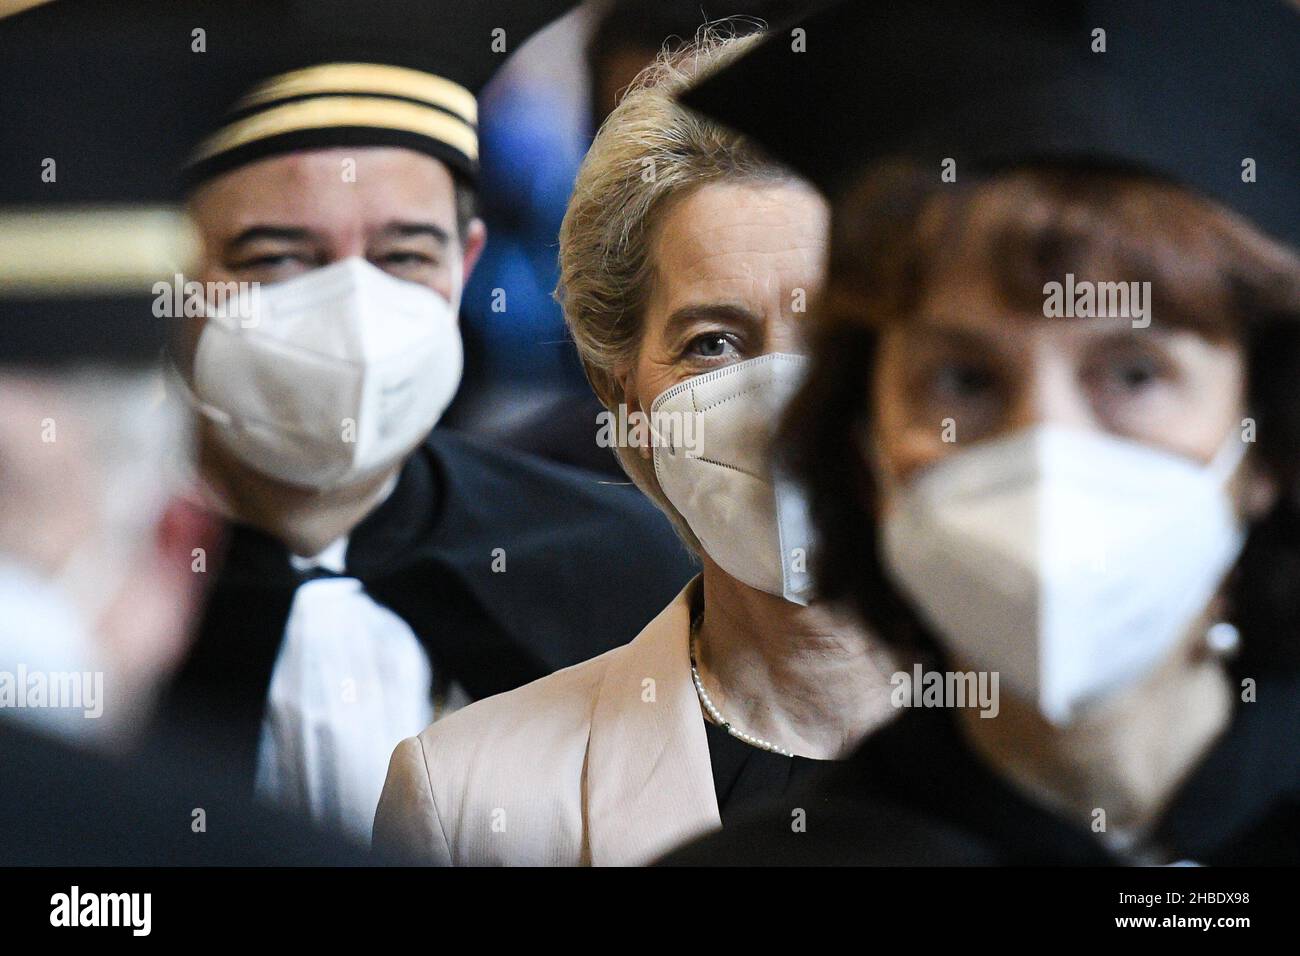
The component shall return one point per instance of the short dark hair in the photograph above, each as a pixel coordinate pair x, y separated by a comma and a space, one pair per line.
466, 204
1211, 270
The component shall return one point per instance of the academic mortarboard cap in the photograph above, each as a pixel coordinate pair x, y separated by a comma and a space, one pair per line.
379, 73
1197, 91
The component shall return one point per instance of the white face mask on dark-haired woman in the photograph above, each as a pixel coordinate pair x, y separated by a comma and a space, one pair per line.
752, 522
331, 376
1070, 562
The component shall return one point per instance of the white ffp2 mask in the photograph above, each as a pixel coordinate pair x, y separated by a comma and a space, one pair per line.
1069, 561
753, 522
330, 376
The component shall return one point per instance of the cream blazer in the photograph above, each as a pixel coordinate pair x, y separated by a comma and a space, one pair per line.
604, 763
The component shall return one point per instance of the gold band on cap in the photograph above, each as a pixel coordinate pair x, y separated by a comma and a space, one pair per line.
335, 111
9, 8
363, 95
367, 79
91, 250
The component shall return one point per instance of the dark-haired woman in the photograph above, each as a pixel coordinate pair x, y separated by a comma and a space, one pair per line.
1101, 510
1051, 433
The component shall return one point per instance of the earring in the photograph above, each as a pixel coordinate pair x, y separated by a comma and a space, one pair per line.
1223, 640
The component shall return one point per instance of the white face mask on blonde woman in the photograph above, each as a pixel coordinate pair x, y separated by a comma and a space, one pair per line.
752, 521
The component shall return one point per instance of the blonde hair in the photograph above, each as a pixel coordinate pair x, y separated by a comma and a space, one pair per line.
649, 154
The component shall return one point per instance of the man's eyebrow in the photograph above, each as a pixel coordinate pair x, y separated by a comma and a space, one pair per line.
406, 230
717, 312
275, 233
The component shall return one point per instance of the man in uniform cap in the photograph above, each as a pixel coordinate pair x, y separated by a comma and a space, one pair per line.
379, 573
98, 590
1193, 94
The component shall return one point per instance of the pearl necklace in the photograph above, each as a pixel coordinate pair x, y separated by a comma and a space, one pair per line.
713, 712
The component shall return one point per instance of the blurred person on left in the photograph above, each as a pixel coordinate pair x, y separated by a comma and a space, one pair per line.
95, 544
98, 544
97, 533
101, 548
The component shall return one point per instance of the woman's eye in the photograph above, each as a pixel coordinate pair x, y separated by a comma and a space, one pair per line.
963, 380
1132, 374
1137, 374
712, 345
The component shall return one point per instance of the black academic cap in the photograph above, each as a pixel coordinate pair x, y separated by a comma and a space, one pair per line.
1198, 91
101, 103
374, 73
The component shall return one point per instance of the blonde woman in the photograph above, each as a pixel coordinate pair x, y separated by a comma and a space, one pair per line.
685, 263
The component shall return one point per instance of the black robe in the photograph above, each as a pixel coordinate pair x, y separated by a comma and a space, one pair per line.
64, 806
915, 794
588, 563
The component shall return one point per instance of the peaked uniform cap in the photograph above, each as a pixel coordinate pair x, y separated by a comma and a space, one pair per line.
377, 73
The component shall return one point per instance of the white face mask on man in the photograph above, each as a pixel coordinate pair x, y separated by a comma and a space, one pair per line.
1069, 561
752, 522
333, 377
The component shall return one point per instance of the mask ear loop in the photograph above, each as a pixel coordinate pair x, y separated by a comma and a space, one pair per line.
653, 418
1222, 640
1228, 458
794, 530
175, 379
